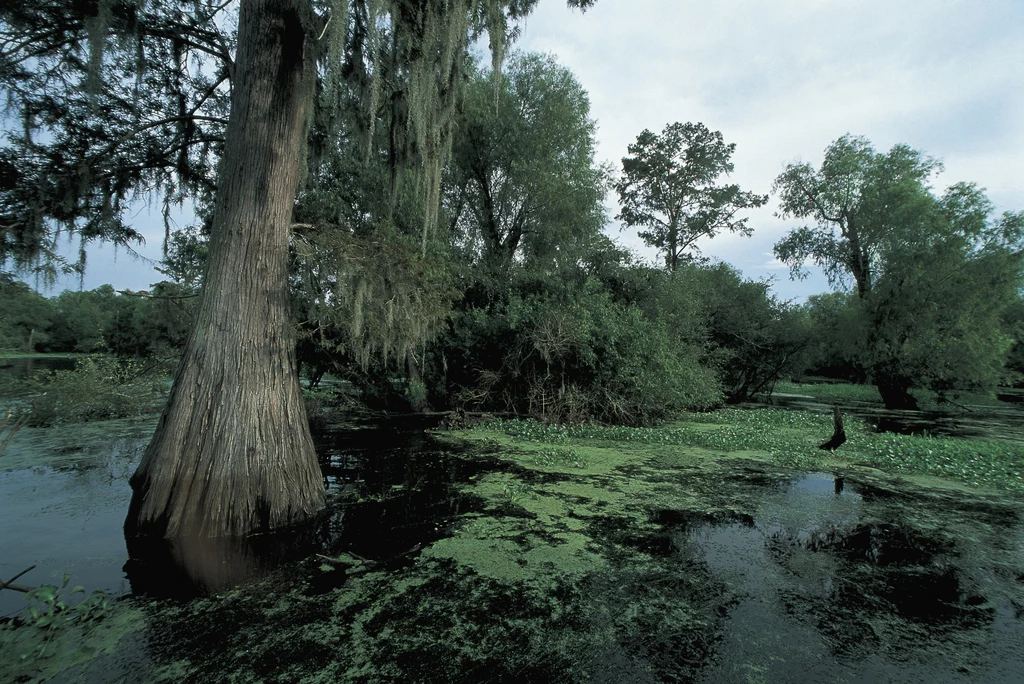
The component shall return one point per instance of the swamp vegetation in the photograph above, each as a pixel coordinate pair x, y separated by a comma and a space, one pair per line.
399, 228
723, 547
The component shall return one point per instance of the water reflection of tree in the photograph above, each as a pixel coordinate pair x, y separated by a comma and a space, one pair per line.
893, 586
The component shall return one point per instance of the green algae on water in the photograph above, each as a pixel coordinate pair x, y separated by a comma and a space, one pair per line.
39, 654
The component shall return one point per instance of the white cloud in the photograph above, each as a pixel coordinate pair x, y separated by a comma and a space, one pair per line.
773, 263
783, 79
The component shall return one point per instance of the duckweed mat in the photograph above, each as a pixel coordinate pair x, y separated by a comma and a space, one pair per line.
528, 555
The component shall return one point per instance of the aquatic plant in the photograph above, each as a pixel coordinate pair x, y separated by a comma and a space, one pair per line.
50, 612
514, 491
10, 424
99, 388
980, 463
560, 458
48, 605
790, 438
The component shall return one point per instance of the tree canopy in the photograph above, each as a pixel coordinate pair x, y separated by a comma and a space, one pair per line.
933, 274
118, 98
668, 187
523, 178
862, 202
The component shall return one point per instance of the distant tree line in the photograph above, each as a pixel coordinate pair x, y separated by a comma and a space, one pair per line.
143, 324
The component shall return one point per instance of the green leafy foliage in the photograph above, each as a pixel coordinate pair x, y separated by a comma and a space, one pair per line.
27, 316
100, 388
368, 299
864, 203
131, 324
668, 187
934, 275
752, 338
836, 345
523, 181
81, 318
50, 611
48, 605
113, 99
567, 351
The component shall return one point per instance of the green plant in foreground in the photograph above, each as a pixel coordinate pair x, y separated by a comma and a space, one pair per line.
48, 608
10, 424
514, 491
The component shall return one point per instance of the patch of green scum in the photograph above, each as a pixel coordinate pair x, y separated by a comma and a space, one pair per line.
77, 447
35, 654
630, 481
581, 459
647, 597
434, 621
787, 438
460, 626
277, 629
530, 538
541, 528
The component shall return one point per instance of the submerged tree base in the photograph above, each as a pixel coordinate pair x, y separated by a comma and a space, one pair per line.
618, 555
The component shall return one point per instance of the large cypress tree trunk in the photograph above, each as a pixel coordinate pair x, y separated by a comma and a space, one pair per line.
232, 453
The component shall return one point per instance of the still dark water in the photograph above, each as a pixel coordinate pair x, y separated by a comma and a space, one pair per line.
65, 491
799, 579
24, 367
1004, 421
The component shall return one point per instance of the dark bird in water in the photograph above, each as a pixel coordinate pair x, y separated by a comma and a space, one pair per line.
838, 435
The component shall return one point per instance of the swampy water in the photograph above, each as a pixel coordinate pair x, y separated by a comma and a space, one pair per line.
465, 558
1002, 421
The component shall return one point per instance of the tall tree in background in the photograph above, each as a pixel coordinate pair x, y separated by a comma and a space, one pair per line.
27, 316
933, 274
522, 177
668, 187
92, 83
861, 201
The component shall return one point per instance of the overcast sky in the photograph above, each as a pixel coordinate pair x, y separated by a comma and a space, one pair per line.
782, 80
785, 78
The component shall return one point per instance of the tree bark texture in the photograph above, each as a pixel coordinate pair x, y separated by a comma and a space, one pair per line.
232, 453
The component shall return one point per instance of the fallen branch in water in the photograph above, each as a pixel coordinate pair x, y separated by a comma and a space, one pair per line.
9, 584
367, 562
